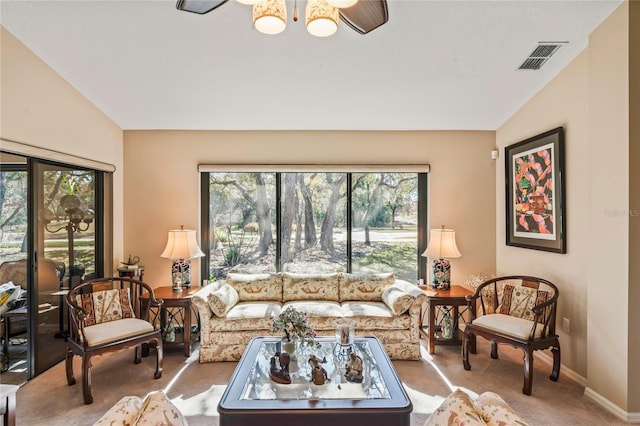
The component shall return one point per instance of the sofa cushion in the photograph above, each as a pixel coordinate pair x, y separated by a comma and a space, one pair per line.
368, 287
507, 324
374, 316
106, 305
320, 314
456, 410
252, 287
247, 316
222, 299
399, 301
518, 301
310, 287
495, 411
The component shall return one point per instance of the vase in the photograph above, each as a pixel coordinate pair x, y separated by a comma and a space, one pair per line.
289, 346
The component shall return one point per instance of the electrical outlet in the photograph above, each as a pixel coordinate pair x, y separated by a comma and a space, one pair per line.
566, 325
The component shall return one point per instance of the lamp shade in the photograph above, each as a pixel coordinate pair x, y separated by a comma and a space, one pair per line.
442, 244
270, 16
321, 18
182, 244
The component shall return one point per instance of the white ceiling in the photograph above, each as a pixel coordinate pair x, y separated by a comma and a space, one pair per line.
435, 64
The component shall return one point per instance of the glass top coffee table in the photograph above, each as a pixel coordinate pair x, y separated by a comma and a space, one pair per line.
252, 397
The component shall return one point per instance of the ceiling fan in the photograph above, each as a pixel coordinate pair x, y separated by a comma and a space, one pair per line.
364, 16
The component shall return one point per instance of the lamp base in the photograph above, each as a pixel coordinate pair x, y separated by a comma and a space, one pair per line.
441, 274
181, 273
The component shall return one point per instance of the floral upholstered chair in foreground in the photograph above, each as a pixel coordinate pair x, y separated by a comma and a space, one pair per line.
107, 316
519, 311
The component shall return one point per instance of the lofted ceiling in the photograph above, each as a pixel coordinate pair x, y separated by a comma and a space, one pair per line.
436, 65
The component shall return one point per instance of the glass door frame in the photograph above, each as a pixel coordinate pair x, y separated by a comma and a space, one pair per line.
34, 222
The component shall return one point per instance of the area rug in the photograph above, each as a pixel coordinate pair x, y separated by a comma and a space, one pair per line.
196, 388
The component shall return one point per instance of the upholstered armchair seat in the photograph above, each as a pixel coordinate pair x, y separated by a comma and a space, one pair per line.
117, 330
511, 326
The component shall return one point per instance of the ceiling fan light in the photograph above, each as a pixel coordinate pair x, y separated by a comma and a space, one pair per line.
270, 16
341, 4
321, 18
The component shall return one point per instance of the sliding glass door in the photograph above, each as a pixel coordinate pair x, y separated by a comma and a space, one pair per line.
65, 251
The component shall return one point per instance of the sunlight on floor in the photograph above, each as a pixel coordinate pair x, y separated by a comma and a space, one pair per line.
202, 404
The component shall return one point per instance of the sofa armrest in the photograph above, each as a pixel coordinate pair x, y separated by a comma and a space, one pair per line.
412, 289
200, 299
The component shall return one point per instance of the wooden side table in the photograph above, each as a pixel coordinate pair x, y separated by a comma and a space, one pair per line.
448, 301
177, 304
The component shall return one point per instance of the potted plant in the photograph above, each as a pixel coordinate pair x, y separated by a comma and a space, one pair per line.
294, 325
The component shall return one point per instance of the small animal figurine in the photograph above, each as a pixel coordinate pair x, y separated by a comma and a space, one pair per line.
279, 368
319, 375
353, 369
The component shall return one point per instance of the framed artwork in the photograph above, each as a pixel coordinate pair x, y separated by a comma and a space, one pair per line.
535, 207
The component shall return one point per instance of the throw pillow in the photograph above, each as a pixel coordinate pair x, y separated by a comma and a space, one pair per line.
365, 287
397, 300
495, 411
157, 409
256, 287
456, 410
223, 299
106, 305
519, 301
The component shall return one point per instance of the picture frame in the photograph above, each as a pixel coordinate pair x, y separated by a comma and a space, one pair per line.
535, 193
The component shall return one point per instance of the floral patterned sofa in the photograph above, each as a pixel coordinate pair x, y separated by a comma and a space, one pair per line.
242, 307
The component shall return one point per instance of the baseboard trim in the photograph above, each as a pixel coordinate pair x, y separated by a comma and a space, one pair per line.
588, 392
611, 407
564, 371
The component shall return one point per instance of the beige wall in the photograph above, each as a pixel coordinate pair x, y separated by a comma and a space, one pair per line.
41, 109
589, 98
563, 102
608, 326
162, 182
634, 204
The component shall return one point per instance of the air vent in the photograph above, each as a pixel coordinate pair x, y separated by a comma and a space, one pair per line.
541, 54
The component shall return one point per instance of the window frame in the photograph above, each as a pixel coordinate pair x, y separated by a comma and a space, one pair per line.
423, 216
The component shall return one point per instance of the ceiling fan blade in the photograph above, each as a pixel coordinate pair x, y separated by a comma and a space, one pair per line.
199, 6
366, 15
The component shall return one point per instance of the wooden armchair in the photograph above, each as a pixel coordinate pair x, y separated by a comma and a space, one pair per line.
515, 310
105, 315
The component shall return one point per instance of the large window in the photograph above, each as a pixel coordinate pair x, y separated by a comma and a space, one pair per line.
314, 222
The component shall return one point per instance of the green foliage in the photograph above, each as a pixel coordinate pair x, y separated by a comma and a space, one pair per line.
232, 256
398, 257
221, 235
294, 325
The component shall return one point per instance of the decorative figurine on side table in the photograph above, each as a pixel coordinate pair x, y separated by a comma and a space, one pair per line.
279, 370
353, 371
319, 375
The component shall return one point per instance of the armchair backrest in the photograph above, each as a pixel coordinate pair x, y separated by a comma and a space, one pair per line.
519, 295
123, 296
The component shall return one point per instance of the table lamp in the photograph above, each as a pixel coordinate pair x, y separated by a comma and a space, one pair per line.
442, 245
181, 248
